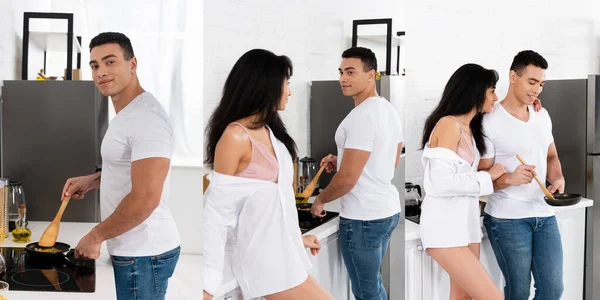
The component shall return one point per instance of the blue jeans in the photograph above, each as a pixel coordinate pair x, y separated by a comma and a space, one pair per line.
528, 246
364, 244
144, 277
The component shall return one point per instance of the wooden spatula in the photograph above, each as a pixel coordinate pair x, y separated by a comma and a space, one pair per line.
544, 189
310, 188
48, 239
52, 276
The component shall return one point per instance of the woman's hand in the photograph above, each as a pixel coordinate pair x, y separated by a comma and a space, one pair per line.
311, 241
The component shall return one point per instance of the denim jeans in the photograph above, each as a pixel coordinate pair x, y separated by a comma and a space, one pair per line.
364, 244
528, 246
144, 277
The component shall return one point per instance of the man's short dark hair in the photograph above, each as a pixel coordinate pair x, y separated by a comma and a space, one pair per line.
365, 55
526, 58
116, 38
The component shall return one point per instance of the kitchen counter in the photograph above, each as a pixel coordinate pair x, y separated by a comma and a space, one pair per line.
412, 229
183, 284
321, 232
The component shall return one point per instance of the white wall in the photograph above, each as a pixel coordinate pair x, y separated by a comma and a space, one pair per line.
11, 37
312, 33
443, 35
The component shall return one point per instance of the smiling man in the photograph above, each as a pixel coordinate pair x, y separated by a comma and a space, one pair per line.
141, 235
522, 228
369, 143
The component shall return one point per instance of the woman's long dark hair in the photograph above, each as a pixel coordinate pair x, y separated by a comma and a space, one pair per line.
465, 90
253, 87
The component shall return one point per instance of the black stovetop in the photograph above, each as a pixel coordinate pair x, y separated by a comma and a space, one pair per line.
308, 222
26, 273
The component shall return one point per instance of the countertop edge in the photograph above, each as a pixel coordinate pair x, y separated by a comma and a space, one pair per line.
412, 229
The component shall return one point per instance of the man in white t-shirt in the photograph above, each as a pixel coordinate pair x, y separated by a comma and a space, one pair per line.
369, 143
521, 226
137, 225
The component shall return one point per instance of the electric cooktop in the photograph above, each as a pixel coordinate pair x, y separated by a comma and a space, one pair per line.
308, 222
60, 274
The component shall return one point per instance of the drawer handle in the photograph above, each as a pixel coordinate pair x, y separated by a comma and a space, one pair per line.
420, 247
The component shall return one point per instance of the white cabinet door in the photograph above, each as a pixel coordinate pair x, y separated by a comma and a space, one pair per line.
436, 282
572, 232
413, 262
328, 267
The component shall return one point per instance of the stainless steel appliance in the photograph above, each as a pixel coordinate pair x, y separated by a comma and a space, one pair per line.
574, 107
413, 200
328, 107
307, 170
50, 131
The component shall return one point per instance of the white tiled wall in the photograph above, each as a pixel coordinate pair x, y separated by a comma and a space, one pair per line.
443, 35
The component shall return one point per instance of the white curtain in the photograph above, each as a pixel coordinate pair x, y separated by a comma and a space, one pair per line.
167, 41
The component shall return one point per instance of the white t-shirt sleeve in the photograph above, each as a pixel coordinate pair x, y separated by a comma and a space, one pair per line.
400, 133
150, 135
360, 132
490, 151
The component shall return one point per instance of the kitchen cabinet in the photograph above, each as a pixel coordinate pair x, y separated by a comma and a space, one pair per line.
425, 279
413, 281
328, 267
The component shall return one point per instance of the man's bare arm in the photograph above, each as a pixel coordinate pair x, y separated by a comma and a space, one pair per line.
147, 180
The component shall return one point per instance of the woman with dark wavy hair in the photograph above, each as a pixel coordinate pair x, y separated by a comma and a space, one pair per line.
453, 142
250, 193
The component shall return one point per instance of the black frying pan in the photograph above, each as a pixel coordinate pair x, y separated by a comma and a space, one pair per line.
61, 248
63, 253
563, 199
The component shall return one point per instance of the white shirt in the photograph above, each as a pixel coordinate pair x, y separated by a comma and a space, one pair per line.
373, 126
450, 209
140, 130
268, 252
507, 136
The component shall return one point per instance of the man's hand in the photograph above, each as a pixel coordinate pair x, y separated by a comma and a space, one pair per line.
89, 246
312, 242
318, 208
76, 187
331, 161
206, 296
557, 185
522, 175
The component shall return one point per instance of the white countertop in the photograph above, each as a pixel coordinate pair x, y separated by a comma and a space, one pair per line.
332, 226
412, 229
183, 284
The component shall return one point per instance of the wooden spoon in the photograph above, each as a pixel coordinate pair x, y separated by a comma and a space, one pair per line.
48, 239
544, 189
310, 188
